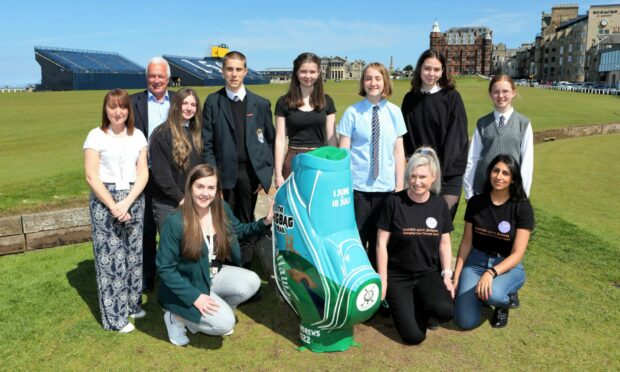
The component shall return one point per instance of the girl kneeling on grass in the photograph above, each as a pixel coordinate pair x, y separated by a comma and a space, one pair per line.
199, 290
498, 224
413, 240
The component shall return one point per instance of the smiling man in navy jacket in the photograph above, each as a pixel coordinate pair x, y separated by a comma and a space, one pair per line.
238, 136
150, 109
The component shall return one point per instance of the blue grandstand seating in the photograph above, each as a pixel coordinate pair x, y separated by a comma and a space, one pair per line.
207, 68
89, 61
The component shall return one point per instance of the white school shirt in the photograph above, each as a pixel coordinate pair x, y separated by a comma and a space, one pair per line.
527, 157
118, 155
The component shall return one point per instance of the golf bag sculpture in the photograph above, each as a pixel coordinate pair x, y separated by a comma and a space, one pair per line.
320, 265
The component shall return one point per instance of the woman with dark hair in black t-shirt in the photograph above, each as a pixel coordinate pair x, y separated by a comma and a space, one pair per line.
413, 239
498, 224
305, 114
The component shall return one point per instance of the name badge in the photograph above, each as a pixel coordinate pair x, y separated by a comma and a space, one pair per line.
122, 185
260, 136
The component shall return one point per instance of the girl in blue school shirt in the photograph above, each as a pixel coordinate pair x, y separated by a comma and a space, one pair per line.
372, 129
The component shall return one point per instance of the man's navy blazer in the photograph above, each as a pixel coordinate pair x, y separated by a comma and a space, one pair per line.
141, 110
220, 144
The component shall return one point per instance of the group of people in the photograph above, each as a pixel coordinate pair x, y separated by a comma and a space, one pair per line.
162, 162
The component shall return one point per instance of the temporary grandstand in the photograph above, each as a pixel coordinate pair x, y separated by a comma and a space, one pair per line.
71, 69
196, 71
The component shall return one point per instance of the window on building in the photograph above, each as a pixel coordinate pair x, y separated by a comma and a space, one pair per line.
570, 48
562, 49
561, 62
569, 59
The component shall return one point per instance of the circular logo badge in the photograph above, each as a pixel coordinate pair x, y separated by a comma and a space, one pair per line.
504, 227
431, 222
367, 297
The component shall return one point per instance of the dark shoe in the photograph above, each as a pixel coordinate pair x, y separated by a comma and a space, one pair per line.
500, 317
432, 324
513, 299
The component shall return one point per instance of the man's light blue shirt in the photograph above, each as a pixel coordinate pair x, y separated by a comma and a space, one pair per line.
356, 123
158, 111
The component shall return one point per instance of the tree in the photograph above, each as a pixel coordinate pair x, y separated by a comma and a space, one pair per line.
408, 68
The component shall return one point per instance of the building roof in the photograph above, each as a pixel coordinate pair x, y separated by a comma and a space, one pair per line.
571, 22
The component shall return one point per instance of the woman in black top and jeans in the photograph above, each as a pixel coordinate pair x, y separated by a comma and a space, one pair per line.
306, 115
498, 224
173, 153
413, 239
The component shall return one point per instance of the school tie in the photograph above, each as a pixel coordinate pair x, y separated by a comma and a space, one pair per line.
502, 122
375, 142
236, 99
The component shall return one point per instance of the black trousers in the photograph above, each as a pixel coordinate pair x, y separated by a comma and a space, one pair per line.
368, 207
149, 238
413, 298
242, 201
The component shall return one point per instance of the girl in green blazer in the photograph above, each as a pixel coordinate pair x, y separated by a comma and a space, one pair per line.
199, 289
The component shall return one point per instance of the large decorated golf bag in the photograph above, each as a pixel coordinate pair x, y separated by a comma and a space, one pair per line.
320, 266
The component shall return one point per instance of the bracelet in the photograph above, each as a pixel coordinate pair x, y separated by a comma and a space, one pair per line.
493, 272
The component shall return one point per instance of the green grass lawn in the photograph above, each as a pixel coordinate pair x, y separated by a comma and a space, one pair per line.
579, 180
568, 320
41, 134
569, 317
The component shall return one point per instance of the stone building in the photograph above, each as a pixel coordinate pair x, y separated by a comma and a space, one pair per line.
568, 46
338, 68
468, 50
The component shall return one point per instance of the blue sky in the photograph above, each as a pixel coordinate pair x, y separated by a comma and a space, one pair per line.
270, 32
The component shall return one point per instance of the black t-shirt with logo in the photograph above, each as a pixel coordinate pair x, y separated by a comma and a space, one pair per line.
495, 226
416, 230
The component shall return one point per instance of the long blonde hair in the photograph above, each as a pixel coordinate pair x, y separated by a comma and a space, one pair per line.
192, 233
181, 144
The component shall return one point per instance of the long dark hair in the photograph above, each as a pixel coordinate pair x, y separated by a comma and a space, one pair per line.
192, 233
445, 81
517, 192
293, 98
181, 144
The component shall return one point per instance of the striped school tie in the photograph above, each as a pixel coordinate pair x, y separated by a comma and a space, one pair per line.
376, 135
236, 99
502, 122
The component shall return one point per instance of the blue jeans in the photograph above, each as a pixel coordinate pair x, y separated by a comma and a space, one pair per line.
468, 306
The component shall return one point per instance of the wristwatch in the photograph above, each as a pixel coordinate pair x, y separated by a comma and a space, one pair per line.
444, 272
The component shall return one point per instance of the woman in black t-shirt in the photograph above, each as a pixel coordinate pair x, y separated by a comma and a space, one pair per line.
498, 224
305, 114
413, 239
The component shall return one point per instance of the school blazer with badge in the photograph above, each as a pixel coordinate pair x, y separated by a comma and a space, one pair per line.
218, 134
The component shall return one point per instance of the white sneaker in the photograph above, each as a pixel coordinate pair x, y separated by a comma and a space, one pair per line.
229, 332
139, 314
176, 330
127, 328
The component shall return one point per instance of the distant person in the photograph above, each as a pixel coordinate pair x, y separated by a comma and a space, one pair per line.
435, 117
151, 109
198, 289
412, 241
305, 114
116, 171
175, 149
238, 136
503, 131
373, 130
498, 224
